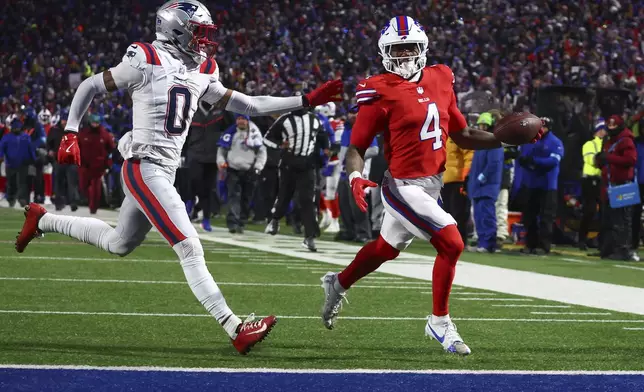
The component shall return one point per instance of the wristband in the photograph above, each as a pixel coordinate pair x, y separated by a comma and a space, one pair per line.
353, 175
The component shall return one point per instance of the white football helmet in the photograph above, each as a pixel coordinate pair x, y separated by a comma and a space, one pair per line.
327, 110
187, 24
402, 30
44, 117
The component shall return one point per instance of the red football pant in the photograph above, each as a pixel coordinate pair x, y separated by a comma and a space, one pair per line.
333, 206
91, 186
447, 242
48, 184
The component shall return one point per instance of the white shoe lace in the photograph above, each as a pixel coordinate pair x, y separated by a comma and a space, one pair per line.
337, 306
451, 333
249, 323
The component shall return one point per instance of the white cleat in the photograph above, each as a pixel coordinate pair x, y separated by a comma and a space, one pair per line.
332, 299
334, 227
446, 334
326, 219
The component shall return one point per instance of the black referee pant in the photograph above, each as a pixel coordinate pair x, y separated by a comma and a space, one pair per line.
300, 179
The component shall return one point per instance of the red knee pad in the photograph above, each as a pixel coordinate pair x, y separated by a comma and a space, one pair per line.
448, 242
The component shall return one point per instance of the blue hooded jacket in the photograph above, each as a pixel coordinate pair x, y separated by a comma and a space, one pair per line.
17, 149
487, 165
547, 154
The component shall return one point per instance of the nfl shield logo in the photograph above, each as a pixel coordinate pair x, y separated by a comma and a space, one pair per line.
420, 90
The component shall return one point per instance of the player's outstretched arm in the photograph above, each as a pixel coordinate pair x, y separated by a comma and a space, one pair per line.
237, 102
475, 139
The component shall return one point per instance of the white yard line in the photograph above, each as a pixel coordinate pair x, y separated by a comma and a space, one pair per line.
630, 267
295, 317
530, 306
633, 329
260, 284
600, 295
579, 261
575, 313
320, 371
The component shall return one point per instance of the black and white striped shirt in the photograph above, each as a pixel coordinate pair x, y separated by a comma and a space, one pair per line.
298, 130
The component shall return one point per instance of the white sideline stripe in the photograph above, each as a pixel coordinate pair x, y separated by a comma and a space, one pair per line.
464, 293
355, 318
530, 306
579, 261
127, 281
630, 267
576, 313
633, 329
617, 298
492, 299
320, 371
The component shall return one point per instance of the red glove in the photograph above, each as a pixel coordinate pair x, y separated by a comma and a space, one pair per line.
68, 152
330, 91
537, 137
358, 185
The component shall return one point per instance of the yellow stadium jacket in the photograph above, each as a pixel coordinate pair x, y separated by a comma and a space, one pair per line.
458, 162
589, 150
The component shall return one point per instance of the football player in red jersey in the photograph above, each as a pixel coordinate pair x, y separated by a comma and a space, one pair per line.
415, 107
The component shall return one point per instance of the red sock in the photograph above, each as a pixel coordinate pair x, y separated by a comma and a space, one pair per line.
322, 202
449, 245
48, 184
368, 259
3, 183
334, 207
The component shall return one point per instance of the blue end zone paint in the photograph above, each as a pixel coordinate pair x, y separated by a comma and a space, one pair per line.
54, 380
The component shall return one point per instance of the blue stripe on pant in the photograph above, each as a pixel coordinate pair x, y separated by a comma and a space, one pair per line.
485, 222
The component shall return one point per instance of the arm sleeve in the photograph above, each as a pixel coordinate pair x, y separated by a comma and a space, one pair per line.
628, 156
273, 137
371, 119
221, 156
371, 152
252, 106
552, 160
456, 120
261, 158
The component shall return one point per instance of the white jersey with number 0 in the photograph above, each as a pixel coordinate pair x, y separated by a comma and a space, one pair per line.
164, 95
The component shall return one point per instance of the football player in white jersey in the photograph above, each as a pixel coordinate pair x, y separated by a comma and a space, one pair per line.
166, 79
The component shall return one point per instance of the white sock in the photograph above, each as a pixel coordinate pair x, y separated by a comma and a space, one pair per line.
203, 285
338, 287
88, 230
440, 319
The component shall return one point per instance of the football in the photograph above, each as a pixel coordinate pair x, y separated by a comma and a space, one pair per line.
517, 128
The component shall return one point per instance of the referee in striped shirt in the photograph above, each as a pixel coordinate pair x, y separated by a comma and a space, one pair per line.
300, 135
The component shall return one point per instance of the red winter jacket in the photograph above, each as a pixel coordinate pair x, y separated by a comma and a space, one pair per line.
621, 160
95, 146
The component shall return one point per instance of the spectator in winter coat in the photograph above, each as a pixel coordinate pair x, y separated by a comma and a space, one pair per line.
243, 154
455, 200
540, 164
590, 182
483, 188
617, 160
17, 152
96, 144
65, 176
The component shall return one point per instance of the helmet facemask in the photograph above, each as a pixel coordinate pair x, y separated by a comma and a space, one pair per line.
203, 39
405, 59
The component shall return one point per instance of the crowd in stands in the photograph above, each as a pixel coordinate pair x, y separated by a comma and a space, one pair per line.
506, 48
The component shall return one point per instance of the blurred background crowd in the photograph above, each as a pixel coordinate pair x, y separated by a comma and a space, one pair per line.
570, 62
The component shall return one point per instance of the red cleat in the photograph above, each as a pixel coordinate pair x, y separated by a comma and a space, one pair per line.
252, 332
33, 213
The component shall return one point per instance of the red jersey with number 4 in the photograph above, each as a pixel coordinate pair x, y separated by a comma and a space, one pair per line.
416, 118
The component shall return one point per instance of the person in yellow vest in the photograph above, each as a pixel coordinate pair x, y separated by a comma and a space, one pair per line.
455, 200
590, 182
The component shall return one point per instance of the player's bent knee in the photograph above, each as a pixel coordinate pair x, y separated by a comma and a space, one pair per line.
386, 250
448, 242
189, 248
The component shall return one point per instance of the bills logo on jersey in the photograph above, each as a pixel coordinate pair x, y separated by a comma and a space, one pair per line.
420, 90
188, 8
